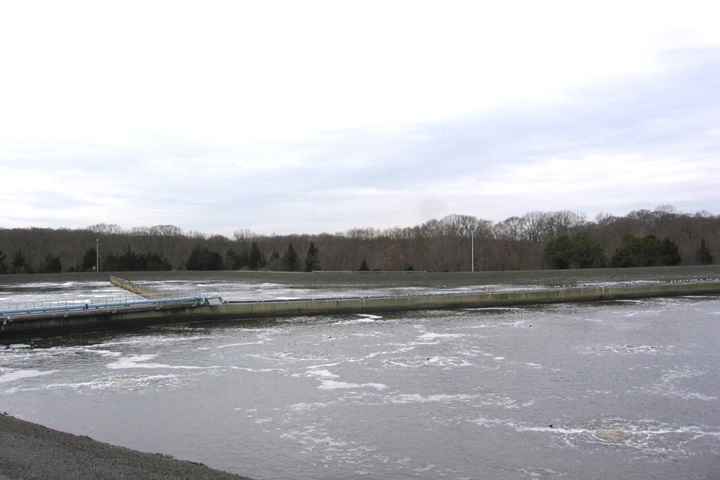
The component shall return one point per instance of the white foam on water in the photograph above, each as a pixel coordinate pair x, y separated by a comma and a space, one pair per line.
317, 440
335, 385
152, 340
490, 422
439, 398
426, 468
433, 338
406, 362
93, 349
321, 373
104, 353
549, 429
657, 440
309, 407
495, 400
240, 344
667, 385
258, 370
124, 383
15, 375
137, 361
299, 356
362, 318
119, 383
621, 349
328, 382
325, 450
493, 309
496, 324
449, 362
263, 420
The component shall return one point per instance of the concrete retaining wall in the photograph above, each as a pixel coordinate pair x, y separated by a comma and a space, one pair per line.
101, 320
435, 302
132, 287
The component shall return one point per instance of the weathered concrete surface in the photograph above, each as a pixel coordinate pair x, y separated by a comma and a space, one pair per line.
93, 320
433, 302
132, 287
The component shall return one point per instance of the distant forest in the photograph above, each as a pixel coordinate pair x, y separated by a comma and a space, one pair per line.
536, 240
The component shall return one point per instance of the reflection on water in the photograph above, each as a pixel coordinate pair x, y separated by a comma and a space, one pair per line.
581, 391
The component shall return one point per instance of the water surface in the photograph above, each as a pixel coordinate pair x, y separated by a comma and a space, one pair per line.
626, 389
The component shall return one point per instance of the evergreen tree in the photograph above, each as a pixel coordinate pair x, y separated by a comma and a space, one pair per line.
291, 261
585, 252
236, 261
312, 260
89, 260
202, 258
649, 251
629, 253
130, 261
3, 263
19, 263
703, 255
576, 252
255, 259
364, 266
670, 254
156, 263
51, 264
195, 260
274, 262
558, 252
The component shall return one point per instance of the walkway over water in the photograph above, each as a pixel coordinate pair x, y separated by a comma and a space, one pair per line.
158, 308
72, 307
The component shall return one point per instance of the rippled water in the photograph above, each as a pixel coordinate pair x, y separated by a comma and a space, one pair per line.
621, 389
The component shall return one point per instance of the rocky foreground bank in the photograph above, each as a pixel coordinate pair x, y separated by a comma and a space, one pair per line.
30, 451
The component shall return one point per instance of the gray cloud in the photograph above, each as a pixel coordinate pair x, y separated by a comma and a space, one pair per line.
636, 142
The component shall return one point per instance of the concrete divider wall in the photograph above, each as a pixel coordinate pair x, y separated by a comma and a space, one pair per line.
87, 321
433, 302
108, 319
132, 287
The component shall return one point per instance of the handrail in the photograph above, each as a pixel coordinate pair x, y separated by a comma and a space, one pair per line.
81, 305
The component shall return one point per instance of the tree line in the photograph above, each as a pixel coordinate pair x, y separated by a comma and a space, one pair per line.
536, 240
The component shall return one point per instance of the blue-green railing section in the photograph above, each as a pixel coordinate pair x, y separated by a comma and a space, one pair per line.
17, 310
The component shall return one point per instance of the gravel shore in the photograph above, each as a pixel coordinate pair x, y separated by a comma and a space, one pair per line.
30, 451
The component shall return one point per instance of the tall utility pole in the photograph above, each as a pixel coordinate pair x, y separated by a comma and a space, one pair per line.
97, 255
471, 231
472, 251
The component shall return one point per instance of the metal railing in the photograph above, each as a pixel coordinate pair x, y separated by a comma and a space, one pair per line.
31, 308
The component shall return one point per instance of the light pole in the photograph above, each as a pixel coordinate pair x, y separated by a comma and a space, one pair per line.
472, 251
97, 255
471, 231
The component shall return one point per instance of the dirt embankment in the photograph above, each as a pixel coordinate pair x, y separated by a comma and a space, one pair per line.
396, 279
32, 451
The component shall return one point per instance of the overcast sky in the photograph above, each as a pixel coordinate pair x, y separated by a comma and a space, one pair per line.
322, 116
